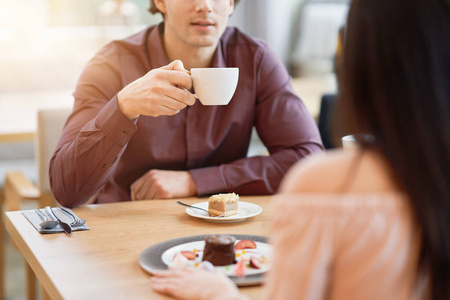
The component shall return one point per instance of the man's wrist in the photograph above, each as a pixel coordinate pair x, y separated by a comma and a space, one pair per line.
192, 187
124, 108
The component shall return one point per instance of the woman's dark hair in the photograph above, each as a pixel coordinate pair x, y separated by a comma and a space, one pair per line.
396, 86
153, 9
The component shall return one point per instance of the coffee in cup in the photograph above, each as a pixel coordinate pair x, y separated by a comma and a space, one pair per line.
215, 86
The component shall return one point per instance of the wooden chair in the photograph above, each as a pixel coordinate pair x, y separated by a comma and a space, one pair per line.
18, 188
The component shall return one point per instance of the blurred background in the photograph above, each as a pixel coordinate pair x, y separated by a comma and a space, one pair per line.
45, 44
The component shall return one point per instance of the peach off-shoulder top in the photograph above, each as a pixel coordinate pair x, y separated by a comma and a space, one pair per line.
343, 247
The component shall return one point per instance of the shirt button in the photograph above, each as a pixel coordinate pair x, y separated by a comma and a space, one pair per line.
104, 166
126, 132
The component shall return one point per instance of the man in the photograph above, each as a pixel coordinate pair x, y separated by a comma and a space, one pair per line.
137, 131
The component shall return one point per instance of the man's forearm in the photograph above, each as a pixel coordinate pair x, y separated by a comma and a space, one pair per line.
259, 175
87, 156
79, 169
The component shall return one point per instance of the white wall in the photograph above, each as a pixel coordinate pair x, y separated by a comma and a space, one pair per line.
28, 46
268, 19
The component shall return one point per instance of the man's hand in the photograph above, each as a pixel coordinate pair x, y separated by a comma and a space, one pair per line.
160, 184
162, 91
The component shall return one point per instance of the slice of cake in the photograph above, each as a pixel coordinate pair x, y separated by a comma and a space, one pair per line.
223, 203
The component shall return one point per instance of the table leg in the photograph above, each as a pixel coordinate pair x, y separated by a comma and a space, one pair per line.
44, 294
31, 282
2, 249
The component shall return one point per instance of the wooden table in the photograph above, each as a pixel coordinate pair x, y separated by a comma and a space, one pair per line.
102, 263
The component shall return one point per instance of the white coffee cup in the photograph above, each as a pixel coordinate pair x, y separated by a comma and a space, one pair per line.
215, 86
349, 142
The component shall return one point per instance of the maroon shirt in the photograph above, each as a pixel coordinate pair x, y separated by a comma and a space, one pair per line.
102, 151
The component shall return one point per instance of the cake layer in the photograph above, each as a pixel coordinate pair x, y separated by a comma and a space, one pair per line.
223, 203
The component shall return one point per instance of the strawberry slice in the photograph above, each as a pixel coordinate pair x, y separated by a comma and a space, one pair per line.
255, 263
245, 244
239, 269
189, 255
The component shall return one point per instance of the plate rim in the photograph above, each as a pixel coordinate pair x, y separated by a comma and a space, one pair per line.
228, 219
157, 249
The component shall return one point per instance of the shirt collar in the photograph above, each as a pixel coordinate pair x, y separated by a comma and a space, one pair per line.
157, 53
218, 60
158, 56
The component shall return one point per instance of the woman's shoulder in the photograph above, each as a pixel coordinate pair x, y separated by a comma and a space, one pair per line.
330, 207
339, 171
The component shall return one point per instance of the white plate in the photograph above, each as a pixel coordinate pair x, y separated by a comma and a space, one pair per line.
151, 258
246, 210
263, 252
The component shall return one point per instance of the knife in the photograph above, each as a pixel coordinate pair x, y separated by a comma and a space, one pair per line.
61, 224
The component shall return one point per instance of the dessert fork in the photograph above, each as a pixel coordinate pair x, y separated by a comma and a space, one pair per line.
192, 206
75, 221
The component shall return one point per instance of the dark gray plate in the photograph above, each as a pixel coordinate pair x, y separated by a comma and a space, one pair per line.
150, 259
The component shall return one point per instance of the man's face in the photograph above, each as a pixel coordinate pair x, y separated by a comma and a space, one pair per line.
195, 23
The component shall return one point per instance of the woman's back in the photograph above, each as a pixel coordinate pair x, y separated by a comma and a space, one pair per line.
351, 237
339, 172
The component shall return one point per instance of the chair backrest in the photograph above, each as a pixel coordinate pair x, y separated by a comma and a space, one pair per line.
49, 128
326, 118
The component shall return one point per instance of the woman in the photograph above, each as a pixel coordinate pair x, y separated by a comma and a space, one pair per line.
371, 223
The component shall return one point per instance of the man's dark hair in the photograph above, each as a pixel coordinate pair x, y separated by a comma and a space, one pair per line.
153, 9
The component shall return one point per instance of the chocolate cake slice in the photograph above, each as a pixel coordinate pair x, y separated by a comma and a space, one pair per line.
219, 249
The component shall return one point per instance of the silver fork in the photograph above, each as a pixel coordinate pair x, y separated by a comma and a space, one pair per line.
75, 221
196, 207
